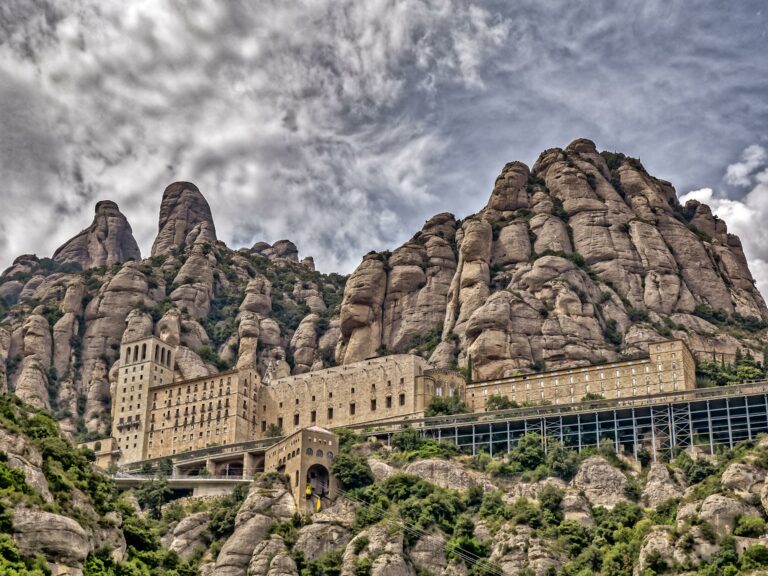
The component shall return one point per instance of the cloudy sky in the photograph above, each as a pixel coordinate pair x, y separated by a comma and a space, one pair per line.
343, 125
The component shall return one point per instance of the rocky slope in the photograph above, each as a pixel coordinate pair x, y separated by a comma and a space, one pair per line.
428, 510
414, 509
62, 327
582, 258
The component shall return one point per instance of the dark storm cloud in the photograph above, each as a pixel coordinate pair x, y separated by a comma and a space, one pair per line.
344, 125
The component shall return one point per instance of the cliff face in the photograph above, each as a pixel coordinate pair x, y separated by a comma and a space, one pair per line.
108, 240
61, 329
583, 257
184, 217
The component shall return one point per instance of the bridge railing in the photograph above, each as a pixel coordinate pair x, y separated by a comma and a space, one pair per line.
220, 450
150, 477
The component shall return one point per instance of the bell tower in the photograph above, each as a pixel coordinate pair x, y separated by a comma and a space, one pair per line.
144, 364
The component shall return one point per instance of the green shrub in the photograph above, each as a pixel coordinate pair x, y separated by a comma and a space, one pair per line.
499, 402
222, 523
528, 452
754, 557
352, 471
750, 526
446, 406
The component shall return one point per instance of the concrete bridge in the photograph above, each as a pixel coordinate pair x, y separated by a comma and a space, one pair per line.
197, 486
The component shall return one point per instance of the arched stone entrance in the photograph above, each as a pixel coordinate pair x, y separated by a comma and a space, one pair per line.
319, 478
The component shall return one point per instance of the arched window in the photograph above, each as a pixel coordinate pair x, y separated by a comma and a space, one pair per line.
329, 455
144, 351
309, 452
319, 453
157, 353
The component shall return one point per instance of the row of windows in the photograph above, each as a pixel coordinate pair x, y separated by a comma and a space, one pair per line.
139, 354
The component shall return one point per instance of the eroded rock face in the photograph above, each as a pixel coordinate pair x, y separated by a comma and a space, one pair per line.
361, 311
271, 558
602, 484
657, 542
184, 218
108, 240
722, 512
428, 553
384, 548
60, 539
320, 537
188, 536
550, 267
448, 474
282, 249
743, 478
659, 486
516, 548
32, 383
267, 502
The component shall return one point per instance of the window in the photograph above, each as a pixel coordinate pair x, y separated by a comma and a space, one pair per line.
329, 455
389, 401
330, 413
295, 419
352, 409
280, 422
402, 399
263, 425
313, 416
373, 405
319, 453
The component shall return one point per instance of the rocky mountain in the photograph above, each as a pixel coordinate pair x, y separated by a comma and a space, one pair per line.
184, 218
582, 258
108, 240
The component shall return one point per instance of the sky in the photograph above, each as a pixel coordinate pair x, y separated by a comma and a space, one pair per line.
344, 125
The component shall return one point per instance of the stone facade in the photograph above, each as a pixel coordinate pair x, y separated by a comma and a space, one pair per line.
305, 459
155, 416
144, 364
669, 367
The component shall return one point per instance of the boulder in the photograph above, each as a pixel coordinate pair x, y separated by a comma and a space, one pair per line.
516, 549
659, 486
448, 474
320, 537
602, 484
383, 547
59, 539
188, 536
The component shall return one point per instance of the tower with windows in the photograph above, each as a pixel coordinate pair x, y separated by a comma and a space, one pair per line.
144, 364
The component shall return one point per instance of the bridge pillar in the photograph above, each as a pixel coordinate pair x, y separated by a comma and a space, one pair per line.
249, 465
210, 466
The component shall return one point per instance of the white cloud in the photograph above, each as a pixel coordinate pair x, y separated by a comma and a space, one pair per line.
747, 216
295, 120
344, 125
738, 174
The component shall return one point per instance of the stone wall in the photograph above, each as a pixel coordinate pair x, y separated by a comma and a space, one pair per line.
669, 367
